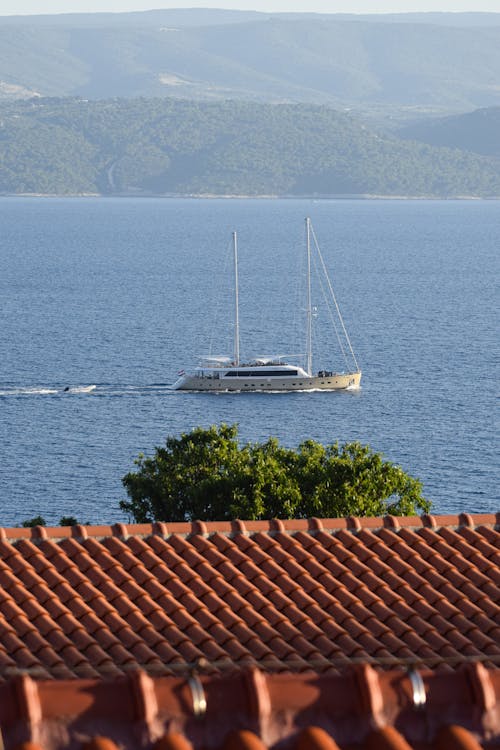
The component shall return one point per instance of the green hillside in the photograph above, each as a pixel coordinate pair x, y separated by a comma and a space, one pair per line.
477, 131
171, 146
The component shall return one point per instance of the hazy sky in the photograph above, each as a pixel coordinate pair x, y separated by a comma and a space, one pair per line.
12, 7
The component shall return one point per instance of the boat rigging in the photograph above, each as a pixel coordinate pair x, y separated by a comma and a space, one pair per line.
272, 373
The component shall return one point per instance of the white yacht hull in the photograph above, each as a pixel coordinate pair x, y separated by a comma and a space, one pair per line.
273, 374
334, 382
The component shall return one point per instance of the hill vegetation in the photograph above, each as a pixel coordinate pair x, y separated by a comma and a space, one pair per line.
441, 63
168, 146
477, 131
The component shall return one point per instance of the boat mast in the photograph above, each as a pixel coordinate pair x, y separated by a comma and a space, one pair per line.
309, 308
236, 304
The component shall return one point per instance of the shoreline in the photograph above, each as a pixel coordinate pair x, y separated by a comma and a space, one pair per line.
264, 196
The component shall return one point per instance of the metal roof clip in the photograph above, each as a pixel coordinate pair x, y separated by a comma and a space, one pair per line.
198, 695
418, 687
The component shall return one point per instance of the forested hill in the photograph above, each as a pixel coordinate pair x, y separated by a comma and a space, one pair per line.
443, 63
169, 146
477, 131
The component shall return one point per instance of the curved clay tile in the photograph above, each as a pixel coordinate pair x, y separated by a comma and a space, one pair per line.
456, 737
100, 743
172, 742
387, 738
243, 740
315, 738
301, 595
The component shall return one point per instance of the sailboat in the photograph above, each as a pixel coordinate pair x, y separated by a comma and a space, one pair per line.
272, 373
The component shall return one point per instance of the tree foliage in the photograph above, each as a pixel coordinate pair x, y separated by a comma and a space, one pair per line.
32, 522
167, 146
40, 521
206, 475
68, 521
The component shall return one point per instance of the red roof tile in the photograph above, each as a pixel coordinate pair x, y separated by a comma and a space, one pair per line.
88, 601
310, 603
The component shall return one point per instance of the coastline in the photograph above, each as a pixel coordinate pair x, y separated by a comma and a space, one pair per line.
264, 196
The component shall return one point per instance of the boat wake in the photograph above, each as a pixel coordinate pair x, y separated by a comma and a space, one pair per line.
117, 390
103, 390
270, 392
43, 390
34, 391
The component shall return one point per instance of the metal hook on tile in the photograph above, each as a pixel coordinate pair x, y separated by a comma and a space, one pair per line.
198, 695
418, 687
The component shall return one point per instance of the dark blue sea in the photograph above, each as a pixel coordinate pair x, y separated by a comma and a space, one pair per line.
121, 294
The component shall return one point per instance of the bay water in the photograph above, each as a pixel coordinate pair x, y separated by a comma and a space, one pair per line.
103, 301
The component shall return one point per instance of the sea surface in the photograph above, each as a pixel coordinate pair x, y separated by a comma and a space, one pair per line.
103, 301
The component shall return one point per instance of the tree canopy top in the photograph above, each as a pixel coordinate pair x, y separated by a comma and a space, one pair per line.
207, 475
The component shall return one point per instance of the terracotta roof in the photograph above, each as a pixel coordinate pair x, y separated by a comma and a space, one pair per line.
98, 601
250, 710
295, 632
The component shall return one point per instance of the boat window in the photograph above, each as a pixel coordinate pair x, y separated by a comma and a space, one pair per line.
260, 373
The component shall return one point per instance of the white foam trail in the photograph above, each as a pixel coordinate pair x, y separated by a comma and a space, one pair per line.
28, 391
44, 390
107, 389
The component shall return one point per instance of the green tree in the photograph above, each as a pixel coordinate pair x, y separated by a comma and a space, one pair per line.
68, 521
353, 480
36, 521
205, 474
40, 521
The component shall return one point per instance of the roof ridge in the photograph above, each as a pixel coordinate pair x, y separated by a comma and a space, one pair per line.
398, 708
231, 528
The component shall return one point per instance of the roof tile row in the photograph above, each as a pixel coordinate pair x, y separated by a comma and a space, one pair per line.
101, 600
361, 708
313, 597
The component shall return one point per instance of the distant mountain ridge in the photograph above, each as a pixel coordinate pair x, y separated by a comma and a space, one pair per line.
218, 16
416, 63
169, 146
